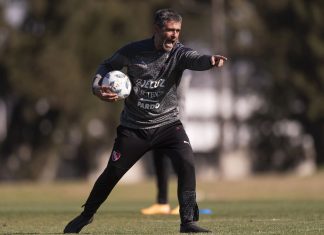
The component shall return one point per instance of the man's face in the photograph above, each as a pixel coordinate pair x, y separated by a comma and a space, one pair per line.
167, 36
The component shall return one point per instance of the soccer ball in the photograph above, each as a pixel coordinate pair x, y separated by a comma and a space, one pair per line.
118, 82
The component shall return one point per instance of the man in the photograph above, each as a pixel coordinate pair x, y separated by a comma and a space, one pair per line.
150, 120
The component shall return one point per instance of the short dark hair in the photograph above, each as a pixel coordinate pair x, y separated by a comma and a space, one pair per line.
163, 15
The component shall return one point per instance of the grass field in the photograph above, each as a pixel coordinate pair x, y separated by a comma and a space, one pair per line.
262, 205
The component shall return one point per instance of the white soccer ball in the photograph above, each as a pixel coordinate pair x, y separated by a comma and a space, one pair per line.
118, 82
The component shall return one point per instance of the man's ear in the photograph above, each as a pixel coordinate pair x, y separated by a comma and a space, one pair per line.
156, 28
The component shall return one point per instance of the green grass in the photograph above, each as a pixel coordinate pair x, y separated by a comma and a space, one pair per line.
263, 205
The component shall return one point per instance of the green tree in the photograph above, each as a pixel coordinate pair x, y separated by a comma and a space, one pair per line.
48, 63
288, 48
281, 43
297, 49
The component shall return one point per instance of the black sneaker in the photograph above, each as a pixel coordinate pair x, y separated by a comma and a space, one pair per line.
77, 224
192, 228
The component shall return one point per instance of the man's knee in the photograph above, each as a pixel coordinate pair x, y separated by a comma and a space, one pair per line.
114, 172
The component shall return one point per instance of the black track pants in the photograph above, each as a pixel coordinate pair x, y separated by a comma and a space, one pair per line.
130, 145
162, 171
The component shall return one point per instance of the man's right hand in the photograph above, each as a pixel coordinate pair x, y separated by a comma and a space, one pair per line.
106, 94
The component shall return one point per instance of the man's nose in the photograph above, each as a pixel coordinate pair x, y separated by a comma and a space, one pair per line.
174, 33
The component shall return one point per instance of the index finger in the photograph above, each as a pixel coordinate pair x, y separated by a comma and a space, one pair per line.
105, 89
220, 57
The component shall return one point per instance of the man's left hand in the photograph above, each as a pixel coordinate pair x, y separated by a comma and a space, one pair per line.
218, 60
